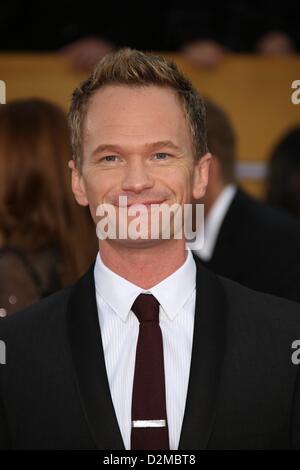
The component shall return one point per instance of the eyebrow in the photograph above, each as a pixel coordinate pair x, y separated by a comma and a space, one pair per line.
148, 146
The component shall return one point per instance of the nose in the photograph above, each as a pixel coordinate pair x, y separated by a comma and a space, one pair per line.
137, 177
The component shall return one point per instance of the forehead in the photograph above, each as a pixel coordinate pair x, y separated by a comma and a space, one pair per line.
127, 115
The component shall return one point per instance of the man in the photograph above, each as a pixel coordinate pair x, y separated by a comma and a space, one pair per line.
245, 240
149, 350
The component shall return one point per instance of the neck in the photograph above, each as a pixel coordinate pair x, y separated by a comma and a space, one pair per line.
144, 266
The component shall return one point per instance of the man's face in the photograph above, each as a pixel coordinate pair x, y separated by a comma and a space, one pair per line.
137, 143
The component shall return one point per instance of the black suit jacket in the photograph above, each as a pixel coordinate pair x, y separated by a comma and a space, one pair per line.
259, 247
242, 391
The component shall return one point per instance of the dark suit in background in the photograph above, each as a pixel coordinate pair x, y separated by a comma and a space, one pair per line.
242, 393
259, 247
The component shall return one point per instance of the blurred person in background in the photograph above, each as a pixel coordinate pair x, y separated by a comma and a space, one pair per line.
283, 180
245, 239
40, 224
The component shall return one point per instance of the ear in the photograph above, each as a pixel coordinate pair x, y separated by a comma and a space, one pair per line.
78, 185
201, 173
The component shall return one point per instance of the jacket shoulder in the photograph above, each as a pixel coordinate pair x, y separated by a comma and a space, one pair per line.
36, 316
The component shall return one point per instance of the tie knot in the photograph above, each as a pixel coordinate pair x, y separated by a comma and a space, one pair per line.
146, 308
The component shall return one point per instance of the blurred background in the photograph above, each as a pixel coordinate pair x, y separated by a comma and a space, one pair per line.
242, 55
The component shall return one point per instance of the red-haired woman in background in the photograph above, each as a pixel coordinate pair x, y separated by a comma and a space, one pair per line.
40, 223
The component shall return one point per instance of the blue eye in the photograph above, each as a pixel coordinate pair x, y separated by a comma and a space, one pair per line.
161, 155
109, 158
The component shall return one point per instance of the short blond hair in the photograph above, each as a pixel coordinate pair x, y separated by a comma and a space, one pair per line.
135, 68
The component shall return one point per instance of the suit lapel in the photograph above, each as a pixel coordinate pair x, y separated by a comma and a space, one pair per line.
206, 363
89, 364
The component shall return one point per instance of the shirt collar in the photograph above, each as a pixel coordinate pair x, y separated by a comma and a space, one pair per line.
172, 292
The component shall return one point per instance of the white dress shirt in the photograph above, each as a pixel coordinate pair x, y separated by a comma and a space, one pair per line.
119, 331
213, 221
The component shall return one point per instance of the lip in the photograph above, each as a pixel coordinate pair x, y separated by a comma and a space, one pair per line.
144, 203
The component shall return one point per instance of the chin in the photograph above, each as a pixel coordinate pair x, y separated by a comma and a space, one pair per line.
140, 243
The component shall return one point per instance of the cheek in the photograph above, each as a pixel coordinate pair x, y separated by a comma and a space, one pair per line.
179, 180
98, 184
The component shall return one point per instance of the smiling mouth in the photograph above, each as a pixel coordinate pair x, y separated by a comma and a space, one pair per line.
138, 204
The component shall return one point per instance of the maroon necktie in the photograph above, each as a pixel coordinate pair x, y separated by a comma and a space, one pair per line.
149, 416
